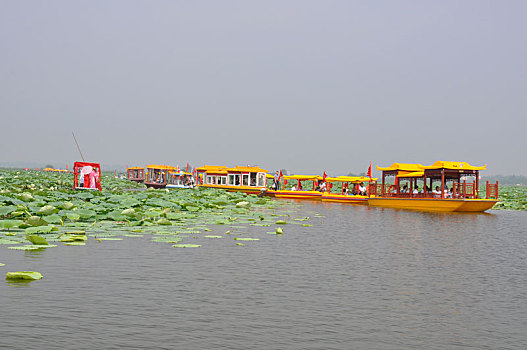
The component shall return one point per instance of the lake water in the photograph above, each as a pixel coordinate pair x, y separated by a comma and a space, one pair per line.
359, 278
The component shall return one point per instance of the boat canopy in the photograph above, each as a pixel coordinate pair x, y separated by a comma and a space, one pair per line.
408, 174
352, 179
213, 169
179, 173
161, 167
453, 166
302, 177
135, 168
247, 169
402, 167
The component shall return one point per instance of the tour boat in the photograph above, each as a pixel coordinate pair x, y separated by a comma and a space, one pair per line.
462, 177
347, 194
136, 173
180, 179
84, 173
157, 175
247, 179
298, 193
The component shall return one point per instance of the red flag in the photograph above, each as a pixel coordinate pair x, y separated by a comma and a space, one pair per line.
324, 177
369, 171
280, 175
187, 168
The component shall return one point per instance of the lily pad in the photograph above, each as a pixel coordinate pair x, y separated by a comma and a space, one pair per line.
23, 275
186, 246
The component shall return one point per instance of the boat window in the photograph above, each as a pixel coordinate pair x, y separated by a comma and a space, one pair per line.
245, 180
223, 180
252, 181
261, 180
231, 179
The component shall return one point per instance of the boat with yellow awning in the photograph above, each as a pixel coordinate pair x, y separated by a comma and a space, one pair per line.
157, 175
413, 188
180, 179
352, 195
297, 191
136, 174
247, 179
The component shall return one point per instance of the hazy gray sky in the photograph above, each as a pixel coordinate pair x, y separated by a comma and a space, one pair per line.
303, 85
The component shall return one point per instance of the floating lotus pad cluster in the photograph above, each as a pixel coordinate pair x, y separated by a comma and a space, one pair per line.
38, 208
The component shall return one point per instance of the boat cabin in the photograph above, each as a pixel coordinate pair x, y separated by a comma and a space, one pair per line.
349, 185
298, 179
87, 176
240, 178
180, 179
443, 180
136, 173
157, 175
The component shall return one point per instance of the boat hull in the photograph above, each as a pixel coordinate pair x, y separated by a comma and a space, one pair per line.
179, 186
244, 189
138, 180
311, 195
432, 204
341, 198
155, 185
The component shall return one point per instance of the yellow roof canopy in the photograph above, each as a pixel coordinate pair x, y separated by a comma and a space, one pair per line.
353, 179
161, 167
247, 169
302, 177
454, 166
405, 174
135, 168
402, 166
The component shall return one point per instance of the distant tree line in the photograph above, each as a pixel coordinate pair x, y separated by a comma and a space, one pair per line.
507, 179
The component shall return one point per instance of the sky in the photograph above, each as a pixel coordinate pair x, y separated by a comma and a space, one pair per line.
307, 86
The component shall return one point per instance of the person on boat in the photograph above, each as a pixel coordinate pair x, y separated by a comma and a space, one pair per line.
81, 178
447, 193
345, 191
322, 187
416, 190
94, 178
437, 192
293, 188
276, 181
405, 189
300, 187
362, 189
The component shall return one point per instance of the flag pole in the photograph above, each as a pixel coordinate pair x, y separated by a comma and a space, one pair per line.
78, 146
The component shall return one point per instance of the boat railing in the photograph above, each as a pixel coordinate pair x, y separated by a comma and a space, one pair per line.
492, 190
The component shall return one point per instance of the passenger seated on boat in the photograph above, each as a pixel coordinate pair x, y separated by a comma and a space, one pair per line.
81, 179
345, 191
416, 190
405, 189
322, 187
437, 192
362, 189
447, 193
293, 188
300, 187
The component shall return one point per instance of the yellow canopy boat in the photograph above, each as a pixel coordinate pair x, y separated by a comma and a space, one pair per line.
462, 196
347, 195
136, 173
248, 179
297, 191
157, 175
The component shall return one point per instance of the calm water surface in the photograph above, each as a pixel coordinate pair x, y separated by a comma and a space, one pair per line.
360, 278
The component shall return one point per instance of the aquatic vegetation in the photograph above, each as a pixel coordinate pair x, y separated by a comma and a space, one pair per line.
23, 275
39, 208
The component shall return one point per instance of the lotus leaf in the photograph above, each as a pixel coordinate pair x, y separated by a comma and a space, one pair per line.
8, 209
164, 221
246, 239
116, 216
280, 222
279, 231
39, 229
37, 240
26, 197
128, 212
52, 219
8, 224
23, 275
186, 246
208, 236
48, 210
73, 216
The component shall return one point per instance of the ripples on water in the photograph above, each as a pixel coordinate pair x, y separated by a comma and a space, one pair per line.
360, 278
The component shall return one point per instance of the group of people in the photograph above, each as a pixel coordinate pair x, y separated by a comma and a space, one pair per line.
87, 178
436, 192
